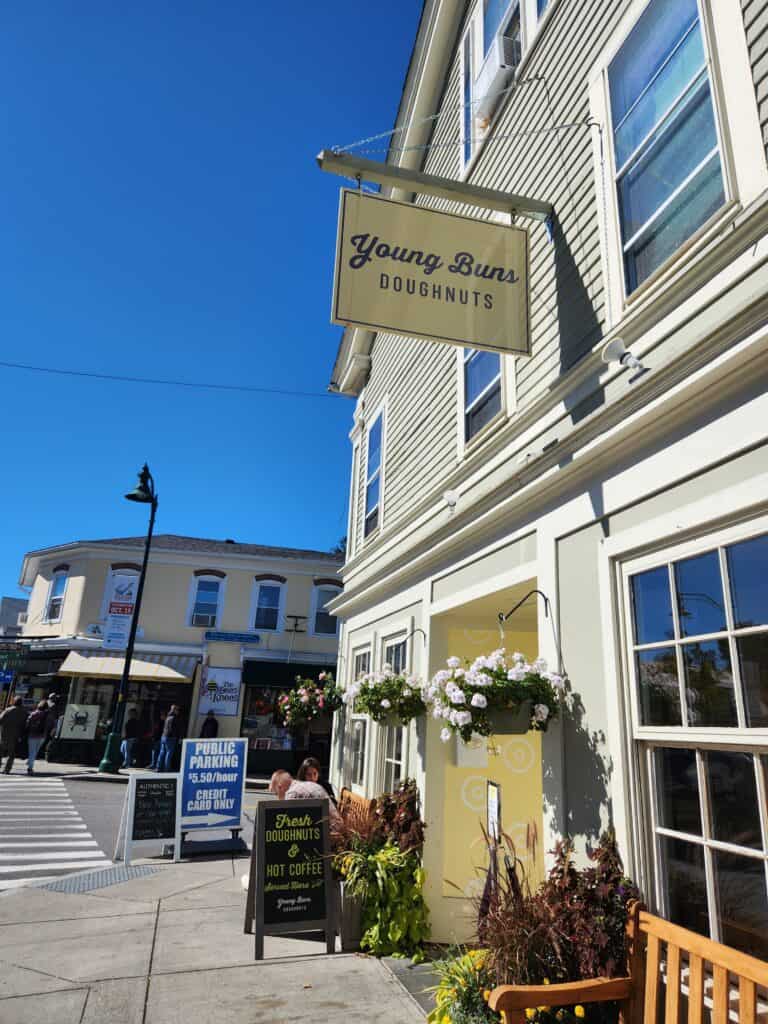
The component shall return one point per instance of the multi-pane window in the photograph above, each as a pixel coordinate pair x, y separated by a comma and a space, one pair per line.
669, 178
324, 623
699, 666
393, 757
482, 389
494, 14
362, 663
358, 735
206, 604
395, 655
467, 97
267, 606
541, 6
373, 477
56, 597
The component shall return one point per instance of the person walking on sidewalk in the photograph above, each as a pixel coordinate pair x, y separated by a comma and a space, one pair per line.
12, 722
157, 736
209, 730
131, 733
37, 724
170, 740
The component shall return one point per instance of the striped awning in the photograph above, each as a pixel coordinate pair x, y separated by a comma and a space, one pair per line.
145, 667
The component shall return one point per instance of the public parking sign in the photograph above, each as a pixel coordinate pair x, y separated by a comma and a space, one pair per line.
212, 784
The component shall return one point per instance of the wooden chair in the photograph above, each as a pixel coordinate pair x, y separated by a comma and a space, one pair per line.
355, 810
715, 978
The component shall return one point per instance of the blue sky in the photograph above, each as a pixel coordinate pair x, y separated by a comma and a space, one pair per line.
162, 215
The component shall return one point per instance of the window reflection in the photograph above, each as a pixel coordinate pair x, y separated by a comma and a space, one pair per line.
733, 798
753, 662
659, 691
709, 684
685, 884
700, 595
652, 606
742, 902
678, 788
748, 571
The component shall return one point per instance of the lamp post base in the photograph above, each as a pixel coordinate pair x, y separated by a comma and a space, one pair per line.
112, 759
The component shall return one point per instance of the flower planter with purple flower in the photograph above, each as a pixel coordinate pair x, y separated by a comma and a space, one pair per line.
498, 693
309, 701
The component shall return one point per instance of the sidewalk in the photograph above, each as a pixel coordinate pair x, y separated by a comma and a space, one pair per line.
83, 772
167, 947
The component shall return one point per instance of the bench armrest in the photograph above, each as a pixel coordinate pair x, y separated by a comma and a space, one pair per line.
523, 997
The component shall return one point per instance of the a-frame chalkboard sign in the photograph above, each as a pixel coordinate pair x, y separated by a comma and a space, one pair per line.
290, 886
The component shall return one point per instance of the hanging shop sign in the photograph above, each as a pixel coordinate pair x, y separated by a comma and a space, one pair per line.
422, 273
220, 691
79, 722
122, 602
212, 784
290, 886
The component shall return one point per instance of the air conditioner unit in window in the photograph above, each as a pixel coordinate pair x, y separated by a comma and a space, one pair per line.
497, 70
203, 620
21, 619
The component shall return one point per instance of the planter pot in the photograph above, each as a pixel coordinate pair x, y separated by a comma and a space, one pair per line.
471, 755
510, 721
350, 921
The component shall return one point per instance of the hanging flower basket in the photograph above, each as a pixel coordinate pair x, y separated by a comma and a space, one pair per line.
309, 701
496, 693
388, 697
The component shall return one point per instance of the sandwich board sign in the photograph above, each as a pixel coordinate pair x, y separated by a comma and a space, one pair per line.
290, 886
149, 812
212, 784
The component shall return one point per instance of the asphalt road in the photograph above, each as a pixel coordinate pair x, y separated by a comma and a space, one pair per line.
52, 826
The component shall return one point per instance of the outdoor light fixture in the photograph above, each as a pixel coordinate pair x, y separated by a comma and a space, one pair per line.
451, 499
616, 352
145, 494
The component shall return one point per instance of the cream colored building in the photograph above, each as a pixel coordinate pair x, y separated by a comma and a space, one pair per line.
250, 616
636, 501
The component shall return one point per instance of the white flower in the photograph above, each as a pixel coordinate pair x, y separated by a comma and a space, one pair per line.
540, 712
446, 711
445, 735
517, 656
406, 692
463, 718
540, 665
557, 681
479, 701
459, 673
482, 679
437, 711
516, 674
453, 663
387, 667
457, 696
441, 677
386, 703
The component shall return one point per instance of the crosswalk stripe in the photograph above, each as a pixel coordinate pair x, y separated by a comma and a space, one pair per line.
51, 835
49, 855
58, 845
54, 866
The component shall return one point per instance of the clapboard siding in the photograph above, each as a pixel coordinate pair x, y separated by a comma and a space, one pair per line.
527, 154
756, 26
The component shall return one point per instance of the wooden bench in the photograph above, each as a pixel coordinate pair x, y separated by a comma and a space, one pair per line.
666, 965
356, 810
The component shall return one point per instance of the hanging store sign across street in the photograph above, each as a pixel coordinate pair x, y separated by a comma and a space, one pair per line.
418, 272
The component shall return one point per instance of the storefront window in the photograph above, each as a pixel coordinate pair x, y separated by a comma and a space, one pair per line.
261, 725
699, 663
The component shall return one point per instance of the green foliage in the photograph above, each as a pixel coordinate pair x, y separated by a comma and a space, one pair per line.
390, 883
386, 695
461, 995
309, 699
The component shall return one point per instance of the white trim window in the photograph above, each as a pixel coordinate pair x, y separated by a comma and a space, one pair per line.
374, 446
323, 623
697, 652
668, 170
268, 603
394, 756
468, 140
57, 588
396, 655
207, 594
358, 727
481, 388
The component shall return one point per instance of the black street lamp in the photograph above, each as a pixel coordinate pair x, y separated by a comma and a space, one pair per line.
145, 494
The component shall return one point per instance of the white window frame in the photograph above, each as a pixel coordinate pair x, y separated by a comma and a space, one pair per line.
379, 412
254, 605
316, 588
643, 740
55, 576
743, 161
507, 378
364, 651
192, 599
530, 27
388, 641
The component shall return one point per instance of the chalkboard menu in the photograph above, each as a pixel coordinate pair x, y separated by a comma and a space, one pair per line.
154, 809
290, 887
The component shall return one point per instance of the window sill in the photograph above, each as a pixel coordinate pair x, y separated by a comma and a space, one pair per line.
474, 444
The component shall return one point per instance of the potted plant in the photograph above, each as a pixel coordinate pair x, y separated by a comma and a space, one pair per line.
495, 693
309, 700
390, 698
